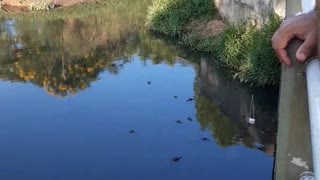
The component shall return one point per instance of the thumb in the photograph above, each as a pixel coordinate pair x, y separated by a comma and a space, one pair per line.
305, 50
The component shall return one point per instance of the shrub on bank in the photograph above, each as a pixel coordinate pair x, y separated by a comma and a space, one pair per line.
245, 50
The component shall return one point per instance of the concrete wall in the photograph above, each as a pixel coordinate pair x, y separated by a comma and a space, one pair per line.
236, 10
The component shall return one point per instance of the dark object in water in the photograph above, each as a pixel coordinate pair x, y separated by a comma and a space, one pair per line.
176, 159
189, 118
176, 97
113, 65
149, 82
190, 99
204, 139
179, 122
131, 131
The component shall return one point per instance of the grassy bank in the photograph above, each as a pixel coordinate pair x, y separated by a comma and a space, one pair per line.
245, 50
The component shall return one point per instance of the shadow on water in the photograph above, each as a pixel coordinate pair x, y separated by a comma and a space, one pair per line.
65, 56
225, 104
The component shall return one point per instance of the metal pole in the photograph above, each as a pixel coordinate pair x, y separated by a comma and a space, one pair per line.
307, 5
313, 88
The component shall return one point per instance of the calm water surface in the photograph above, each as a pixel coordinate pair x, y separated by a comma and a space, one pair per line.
71, 88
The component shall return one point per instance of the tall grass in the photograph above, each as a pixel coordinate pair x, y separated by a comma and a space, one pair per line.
169, 16
247, 52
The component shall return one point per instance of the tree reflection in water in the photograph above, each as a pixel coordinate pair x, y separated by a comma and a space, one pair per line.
65, 55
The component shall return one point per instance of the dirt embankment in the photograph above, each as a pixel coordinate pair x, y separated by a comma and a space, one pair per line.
204, 28
30, 3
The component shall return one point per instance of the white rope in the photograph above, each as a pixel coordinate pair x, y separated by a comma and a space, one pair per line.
251, 119
252, 107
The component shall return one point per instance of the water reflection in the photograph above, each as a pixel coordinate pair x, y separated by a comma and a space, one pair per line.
66, 56
223, 106
91, 130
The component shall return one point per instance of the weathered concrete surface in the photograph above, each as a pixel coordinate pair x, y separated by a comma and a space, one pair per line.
237, 10
293, 140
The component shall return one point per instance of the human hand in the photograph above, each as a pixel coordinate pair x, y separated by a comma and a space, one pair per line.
303, 27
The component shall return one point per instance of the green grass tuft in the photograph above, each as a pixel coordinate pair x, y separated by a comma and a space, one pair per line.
169, 16
40, 6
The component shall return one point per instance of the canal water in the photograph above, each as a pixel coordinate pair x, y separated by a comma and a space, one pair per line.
92, 95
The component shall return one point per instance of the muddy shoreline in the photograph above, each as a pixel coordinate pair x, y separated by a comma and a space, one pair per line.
27, 5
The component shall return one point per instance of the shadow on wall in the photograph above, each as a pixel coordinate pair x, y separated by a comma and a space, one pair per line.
233, 103
238, 10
